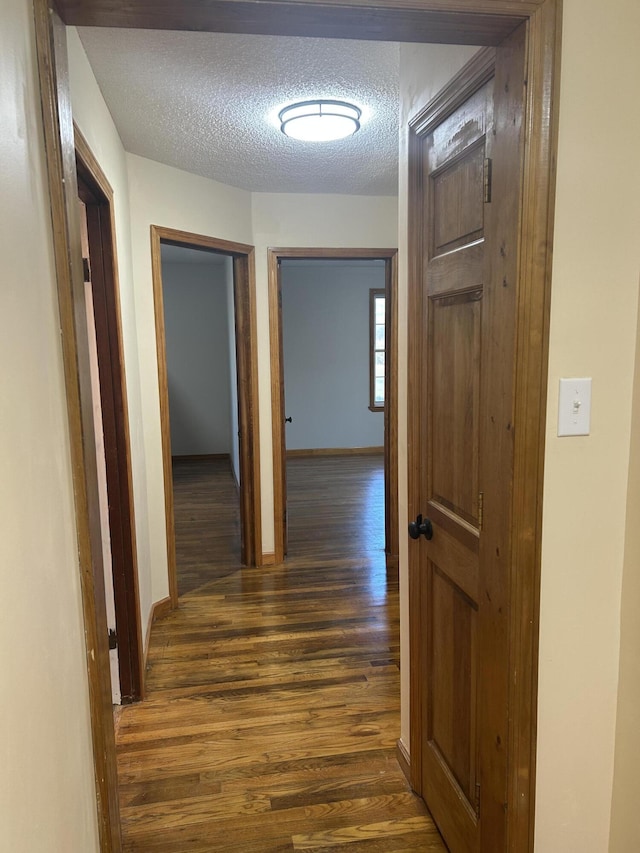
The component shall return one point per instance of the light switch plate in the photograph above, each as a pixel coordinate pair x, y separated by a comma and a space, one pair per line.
574, 407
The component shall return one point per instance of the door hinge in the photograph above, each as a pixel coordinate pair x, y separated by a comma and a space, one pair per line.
86, 269
113, 640
486, 179
477, 798
480, 510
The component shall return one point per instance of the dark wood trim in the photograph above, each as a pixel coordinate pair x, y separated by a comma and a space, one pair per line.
51, 50
532, 335
247, 368
279, 450
336, 451
274, 255
392, 562
244, 286
447, 21
163, 387
97, 196
455, 22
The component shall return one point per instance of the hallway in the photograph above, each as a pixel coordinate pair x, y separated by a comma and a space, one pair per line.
273, 694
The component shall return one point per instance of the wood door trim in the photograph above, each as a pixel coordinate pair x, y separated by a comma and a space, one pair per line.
246, 349
457, 18
484, 22
274, 255
111, 358
51, 54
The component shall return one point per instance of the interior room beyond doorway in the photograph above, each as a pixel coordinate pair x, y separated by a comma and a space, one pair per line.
199, 319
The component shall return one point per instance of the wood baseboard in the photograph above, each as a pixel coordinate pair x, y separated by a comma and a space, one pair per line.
268, 559
392, 562
336, 451
158, 611
199, 457
404, 759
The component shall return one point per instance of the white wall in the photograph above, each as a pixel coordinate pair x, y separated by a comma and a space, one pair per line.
593, 333
325, 326
293, 221
625, 820
197, 347
47, 790
161, 195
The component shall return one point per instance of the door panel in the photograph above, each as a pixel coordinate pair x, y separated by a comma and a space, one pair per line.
457, 199
466, 156
454, 325
453, 680
454, 358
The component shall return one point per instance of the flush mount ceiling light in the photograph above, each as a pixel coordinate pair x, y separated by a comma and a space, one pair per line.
320, 120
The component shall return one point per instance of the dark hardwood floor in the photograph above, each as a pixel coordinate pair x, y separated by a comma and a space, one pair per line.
273, 694
207, 521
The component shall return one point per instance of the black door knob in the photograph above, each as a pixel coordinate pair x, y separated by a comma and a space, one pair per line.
288, 420
421, 527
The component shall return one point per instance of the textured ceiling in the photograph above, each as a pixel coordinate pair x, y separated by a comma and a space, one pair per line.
207, 103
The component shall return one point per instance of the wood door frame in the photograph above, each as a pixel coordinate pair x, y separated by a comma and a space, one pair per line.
482, 22
390, 257
247, 369
115, 417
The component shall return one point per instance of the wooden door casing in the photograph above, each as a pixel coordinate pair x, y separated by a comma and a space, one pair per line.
246, 359
461, 675
444, 21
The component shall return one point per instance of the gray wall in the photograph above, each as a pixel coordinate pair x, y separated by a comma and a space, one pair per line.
325, 323
198, 364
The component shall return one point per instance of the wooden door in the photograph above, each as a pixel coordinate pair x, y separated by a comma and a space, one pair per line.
467, 151
103, 498
110, 408
282, 415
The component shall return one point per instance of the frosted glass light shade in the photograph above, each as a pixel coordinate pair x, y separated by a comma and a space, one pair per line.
319, 121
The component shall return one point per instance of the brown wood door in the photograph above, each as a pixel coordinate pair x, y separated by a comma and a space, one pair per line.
282, 414
465, 462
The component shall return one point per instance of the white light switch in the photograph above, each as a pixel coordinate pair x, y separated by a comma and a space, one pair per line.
574, 407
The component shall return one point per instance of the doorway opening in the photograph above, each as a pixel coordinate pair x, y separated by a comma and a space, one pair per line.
321, 430
238, 424
199, 315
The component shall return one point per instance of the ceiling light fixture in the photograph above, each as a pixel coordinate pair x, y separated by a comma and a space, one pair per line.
319, 120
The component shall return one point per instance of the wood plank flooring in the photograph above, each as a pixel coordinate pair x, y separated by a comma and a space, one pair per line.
273, 694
